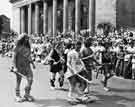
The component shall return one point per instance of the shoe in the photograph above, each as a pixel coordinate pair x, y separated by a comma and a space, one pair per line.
86, 91
70, 95
102, 82
28, 98
61, 81
61, 84
73, 101
18, 99
52, 83
52, 88
106, 89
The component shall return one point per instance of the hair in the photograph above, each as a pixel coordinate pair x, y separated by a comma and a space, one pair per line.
78, 43
69, 45
87, 43
131, 34
22, 41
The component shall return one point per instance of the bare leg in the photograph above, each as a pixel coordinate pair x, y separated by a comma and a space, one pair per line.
18, 83
61, 78
27, 95
71, 86
17, 90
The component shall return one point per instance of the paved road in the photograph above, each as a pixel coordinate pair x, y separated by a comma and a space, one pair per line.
122, 94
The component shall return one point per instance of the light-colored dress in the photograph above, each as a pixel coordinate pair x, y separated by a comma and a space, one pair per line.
75, 63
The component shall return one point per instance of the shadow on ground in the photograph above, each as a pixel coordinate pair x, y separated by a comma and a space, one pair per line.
104, 101
62, 89
122, 90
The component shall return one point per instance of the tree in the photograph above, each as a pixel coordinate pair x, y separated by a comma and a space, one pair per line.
1, 22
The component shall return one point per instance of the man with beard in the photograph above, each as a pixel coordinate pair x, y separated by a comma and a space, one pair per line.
22, 60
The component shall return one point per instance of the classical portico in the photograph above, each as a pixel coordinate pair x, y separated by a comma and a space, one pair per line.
53, 16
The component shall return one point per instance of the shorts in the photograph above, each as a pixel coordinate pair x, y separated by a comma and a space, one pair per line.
56, 68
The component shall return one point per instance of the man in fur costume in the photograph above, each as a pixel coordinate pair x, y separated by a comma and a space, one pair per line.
22, 60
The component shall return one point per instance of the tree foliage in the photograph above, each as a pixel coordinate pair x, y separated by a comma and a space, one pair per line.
1, 22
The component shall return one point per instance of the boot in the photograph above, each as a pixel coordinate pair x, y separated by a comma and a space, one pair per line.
27, 96
52, 83
18, 98
61, 81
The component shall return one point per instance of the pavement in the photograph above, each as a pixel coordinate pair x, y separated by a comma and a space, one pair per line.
122, 92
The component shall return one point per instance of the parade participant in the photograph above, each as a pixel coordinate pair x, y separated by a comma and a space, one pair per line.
67, 50
129, 72
22, 61
98, 55
75, 66
133, 65
120, 61
55, 61
87, 57
107, 65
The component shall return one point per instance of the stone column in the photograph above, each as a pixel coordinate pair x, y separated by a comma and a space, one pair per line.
70, 10
30, 19
92, 16
77, 16
45, 17
36, 18
19, 20
65, 13
22, 20
50, 20
54, 17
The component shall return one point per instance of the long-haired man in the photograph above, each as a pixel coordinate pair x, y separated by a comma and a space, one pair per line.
22, 60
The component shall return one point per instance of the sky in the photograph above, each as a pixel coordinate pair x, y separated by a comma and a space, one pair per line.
6, 8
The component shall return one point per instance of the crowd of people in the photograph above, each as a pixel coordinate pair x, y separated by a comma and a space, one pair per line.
75, 58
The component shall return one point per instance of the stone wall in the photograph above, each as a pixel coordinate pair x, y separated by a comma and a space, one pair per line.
106, 11
126, 13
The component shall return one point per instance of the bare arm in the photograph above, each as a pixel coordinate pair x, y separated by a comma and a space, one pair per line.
69, 65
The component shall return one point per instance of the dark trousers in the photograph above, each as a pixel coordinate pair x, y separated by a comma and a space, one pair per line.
119, 67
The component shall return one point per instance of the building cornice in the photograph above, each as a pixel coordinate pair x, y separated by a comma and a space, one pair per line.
21, 3
13, 1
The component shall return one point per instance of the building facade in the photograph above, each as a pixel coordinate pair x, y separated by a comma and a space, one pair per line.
52, 16
5, 24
